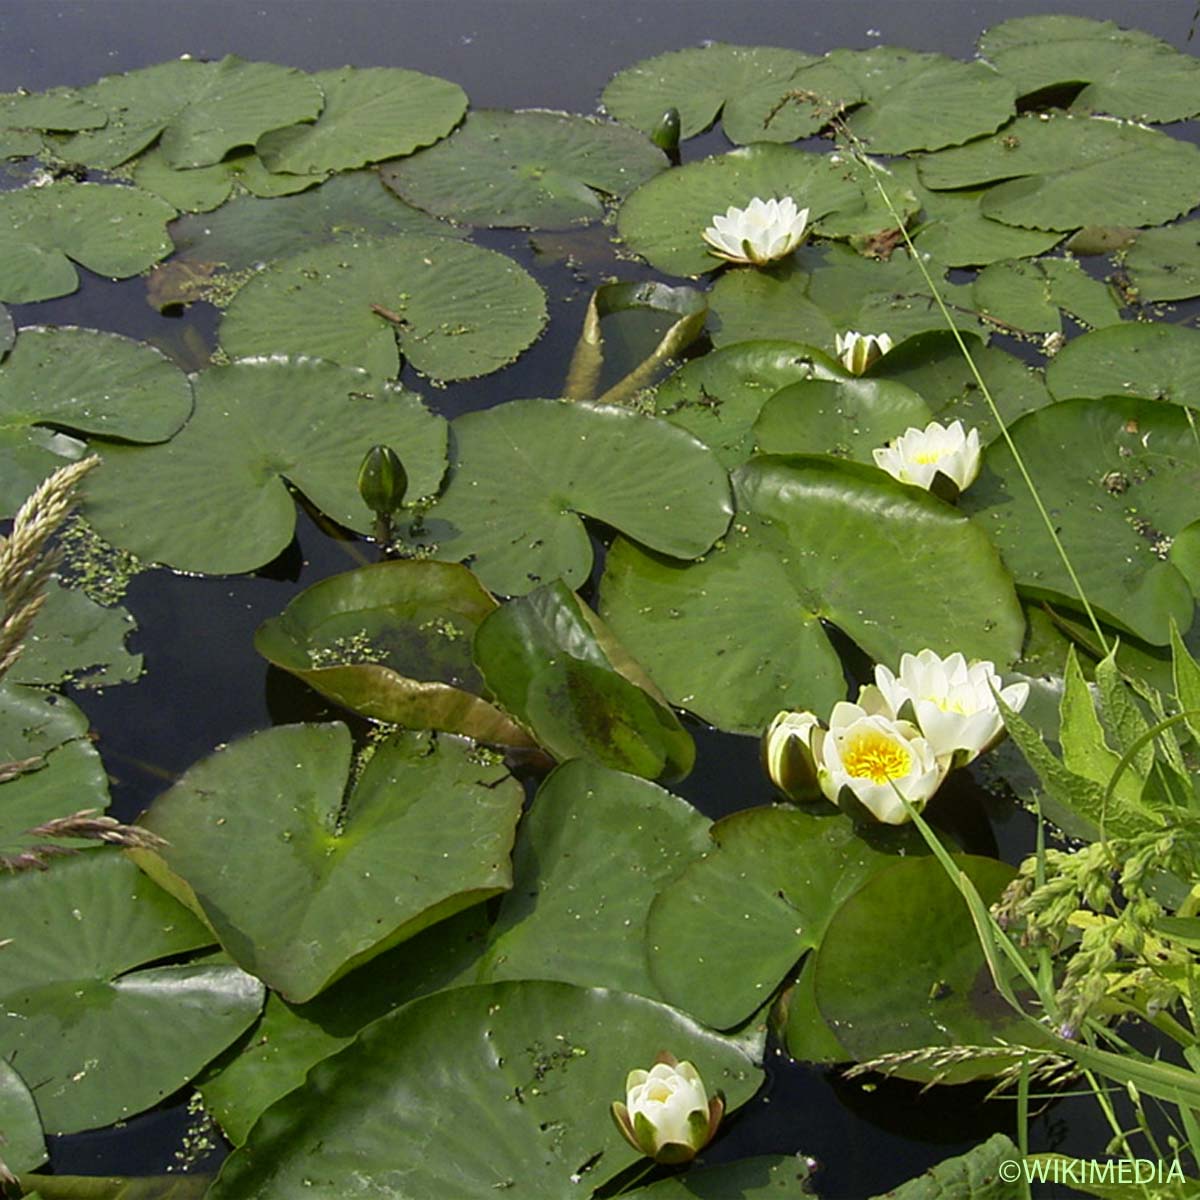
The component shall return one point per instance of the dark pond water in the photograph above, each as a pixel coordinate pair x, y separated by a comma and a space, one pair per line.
205, 685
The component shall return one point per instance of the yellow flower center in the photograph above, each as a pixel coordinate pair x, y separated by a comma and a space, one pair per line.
929, 456
658, 1092
876, 757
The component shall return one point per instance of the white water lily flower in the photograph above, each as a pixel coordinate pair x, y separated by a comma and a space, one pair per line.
788, 754
667, 1114
875, 757
952, 701
859, 350
918, 455
759, 233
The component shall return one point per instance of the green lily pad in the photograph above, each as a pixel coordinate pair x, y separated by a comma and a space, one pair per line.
1121, 72
718, 396
536, 169
697, 81
76, 639
393, 641
292, 1038
664, 219
258, 424
22, 1143
303, 885
115, 1187
369, 114
971, 1176
458, 311
1157, 361
201, 189
1064, 172
956, 234
900, 966
765, 1177
1119, 477
786, 108
594, 851
105, 1041
58, 109
114, 231
524, 472
809, 1038
85, 381
1164, 264
723, 934
1026, 297
534, 1064
846, 418
547, 663
923, 102
201, 109
737, 636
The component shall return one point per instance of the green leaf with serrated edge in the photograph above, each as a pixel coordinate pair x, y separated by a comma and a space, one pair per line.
697, 81
1088, 301
537, 169
458, 311
201, 189
766, 1177
113, 231
304, 885
259, 425
845, 418
595, 850
1186, 674
786, 108
1164, 264
971, 1176
104, 1035
1120, 478
542, 660
1157, 361
369, 114
393, 641
292, 1038
1016, 295
202, 110
725, 932
22, 1143
1119, 72
524, 472
86, 381
1123, 719
518, 1059
1064, 172
719, 395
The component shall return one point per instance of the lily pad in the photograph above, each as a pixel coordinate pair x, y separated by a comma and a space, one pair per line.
369, 114
77, 1015
534, 1064
971, 1176
58, 109
22, 1143
114, 231
201, 109
900, 966
547, 661
458, 311
85, 381
737, 636
1119, 477
292, 1038
786, 108
1157, 361
258, 424
201, 189
594, 851
541, 170
956, 234
846, 418
764, 1177
1164, 264
524, 472
301, 884
719, 396
697, 81
664, 219
725, 932
1025, 298
1121, 72
393, 641
1064, 172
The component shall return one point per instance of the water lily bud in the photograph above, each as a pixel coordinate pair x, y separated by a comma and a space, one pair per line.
953, 701
858, 351
382, 480
666, 133
920, 455
877, 760
789, 756
759, 233
667, 1114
